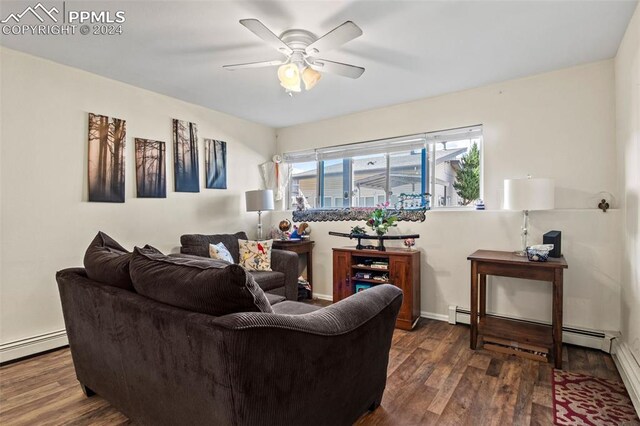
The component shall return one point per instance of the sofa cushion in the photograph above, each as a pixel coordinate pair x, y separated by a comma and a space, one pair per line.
255, 255
107, 262
274, 298
289, 307
202, 285
268, 280
198, 244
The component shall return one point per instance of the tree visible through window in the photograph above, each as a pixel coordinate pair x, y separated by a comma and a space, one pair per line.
467, 183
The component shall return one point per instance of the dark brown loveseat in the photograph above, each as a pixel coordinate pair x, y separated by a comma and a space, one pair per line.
282, 281
165, 365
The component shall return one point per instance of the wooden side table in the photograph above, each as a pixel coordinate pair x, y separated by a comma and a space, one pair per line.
300, 247
507, 264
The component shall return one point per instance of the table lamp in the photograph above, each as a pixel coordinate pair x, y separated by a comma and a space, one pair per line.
528, 194
258, 201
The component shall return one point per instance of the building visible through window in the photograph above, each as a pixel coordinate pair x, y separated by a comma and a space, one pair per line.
447, 165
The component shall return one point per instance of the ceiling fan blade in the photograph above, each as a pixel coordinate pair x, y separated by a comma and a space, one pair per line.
253, 65
334, 38
259, 29
345, 70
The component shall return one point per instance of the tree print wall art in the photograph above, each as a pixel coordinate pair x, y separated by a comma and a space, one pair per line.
107, 137
215, 161
185, 155
151, 176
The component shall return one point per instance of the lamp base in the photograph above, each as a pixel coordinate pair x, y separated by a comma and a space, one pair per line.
520, 253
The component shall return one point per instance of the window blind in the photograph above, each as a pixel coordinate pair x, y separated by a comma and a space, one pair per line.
384, 146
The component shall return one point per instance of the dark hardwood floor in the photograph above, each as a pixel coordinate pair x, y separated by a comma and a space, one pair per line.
433, 378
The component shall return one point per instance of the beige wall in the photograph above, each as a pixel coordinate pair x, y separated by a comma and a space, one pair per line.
559, 125
627, 70
46, 221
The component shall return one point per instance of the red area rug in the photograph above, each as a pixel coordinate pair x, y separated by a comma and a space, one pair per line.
579, 399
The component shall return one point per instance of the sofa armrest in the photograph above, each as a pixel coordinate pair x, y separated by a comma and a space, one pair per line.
339, 318
287, 263
328, 366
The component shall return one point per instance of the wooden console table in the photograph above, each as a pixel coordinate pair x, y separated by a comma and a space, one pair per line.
507, 264
304, 246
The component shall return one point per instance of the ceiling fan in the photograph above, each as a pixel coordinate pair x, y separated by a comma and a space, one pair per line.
301, 49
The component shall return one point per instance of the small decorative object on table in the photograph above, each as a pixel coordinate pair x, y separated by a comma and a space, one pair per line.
284, 225
301, 231
539, 253
479, 205
358, 230
409, 242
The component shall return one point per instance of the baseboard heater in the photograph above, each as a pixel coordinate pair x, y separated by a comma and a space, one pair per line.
32, 345
576, 336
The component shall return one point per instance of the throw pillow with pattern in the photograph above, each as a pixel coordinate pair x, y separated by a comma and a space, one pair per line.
255, 255
219, 251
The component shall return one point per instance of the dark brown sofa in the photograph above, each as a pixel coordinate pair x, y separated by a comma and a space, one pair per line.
283, 280
163, 365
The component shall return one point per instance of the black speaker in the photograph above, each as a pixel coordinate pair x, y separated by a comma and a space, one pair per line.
553, 237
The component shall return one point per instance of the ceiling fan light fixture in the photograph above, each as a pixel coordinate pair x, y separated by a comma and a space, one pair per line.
310, 78
289, 76
301, 48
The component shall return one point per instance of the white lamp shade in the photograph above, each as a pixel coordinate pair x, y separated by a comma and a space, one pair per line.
259, 200
529, 194
310, 78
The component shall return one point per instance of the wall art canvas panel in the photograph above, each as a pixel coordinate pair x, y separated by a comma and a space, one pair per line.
185, 155
215, 163
151, 176
107, 137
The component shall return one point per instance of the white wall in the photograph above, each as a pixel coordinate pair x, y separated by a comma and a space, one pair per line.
46, 221
627, 70
559, 125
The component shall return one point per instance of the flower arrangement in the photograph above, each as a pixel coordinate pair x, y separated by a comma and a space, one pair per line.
380, 220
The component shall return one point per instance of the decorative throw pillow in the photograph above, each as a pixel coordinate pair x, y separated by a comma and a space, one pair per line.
107, 262
219, 251
255, 255
198, 244
203, 285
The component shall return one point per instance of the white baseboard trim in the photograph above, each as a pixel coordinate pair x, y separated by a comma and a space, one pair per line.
629, 369
32, 345
321, 296
434, 316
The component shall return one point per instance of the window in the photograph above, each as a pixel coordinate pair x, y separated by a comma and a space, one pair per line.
445, 164
456, 175
369, 179
304, 181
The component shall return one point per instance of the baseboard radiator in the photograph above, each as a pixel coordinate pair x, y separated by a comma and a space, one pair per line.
595, 339
32, 345
629, 367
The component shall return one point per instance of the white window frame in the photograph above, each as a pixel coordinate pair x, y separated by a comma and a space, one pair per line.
391, 146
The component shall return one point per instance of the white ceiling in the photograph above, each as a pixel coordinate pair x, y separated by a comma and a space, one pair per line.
410, 49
